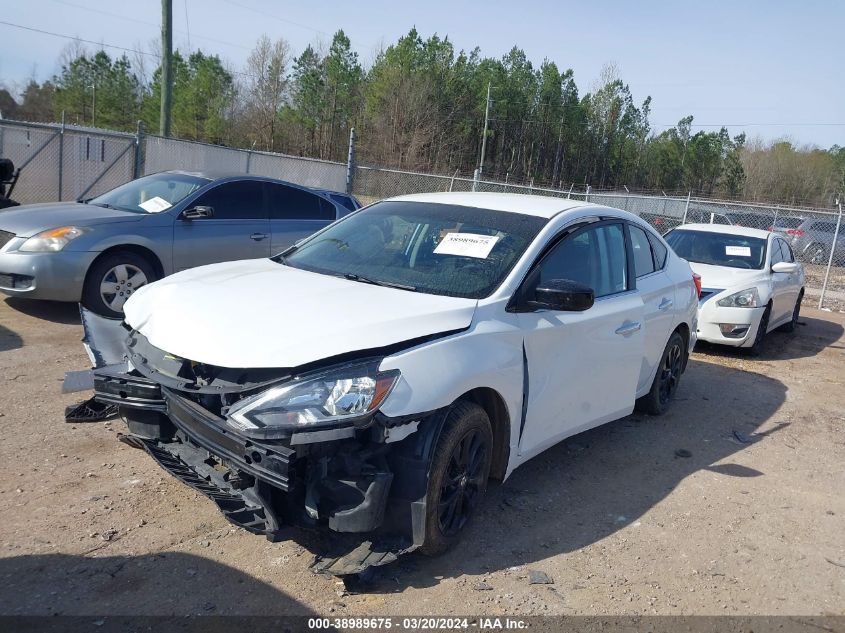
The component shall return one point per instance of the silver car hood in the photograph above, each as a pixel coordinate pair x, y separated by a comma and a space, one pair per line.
31, 219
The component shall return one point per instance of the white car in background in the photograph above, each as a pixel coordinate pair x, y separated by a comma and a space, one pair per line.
751, 283
369, 380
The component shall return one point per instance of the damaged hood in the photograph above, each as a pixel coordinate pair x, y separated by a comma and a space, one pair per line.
260, 314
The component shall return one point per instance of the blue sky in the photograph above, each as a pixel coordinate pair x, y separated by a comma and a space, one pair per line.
770, 68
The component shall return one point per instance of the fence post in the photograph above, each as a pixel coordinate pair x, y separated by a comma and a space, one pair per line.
61, 153
686, 208
587, 195
452, 181
248, 159
775, 218
475, 175
569, 195
138, 167
830, 257
350, 162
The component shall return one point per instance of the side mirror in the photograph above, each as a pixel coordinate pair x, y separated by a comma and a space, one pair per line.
563, 294
784, 267
195, 213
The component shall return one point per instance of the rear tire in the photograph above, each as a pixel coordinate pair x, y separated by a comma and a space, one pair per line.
458, 477
760, 338
113, 279
793, 324
667, 378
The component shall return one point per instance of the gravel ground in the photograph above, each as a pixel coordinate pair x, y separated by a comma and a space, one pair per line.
730, 504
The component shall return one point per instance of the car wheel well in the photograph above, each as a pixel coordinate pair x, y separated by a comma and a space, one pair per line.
132, 248
684, 331
494, 406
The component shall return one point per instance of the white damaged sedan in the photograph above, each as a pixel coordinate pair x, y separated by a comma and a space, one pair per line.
368, 381
751, 283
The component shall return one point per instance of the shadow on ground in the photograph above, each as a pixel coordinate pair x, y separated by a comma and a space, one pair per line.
54, 311
169, 583
810, 338
9, 339
585, 489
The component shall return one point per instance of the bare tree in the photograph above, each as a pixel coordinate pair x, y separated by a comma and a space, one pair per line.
265, 90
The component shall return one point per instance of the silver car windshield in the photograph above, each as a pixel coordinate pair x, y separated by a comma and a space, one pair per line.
151, 194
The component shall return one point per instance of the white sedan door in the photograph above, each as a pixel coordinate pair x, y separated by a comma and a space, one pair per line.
784, 286
583, 366
658, 297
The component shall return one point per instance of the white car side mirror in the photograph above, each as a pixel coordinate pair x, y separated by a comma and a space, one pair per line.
784, 267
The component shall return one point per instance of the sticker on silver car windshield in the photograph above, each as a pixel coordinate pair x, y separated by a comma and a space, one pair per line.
739, 251
467, 245
155, 205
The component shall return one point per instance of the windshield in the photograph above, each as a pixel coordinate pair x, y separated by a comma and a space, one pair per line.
433, 248
151, 194
718, 249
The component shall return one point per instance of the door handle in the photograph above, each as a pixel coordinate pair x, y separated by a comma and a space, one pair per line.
258, 236
628, 328
665, 304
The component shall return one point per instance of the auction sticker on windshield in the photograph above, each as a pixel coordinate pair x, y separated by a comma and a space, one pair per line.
739, 251
155, 205
467, 245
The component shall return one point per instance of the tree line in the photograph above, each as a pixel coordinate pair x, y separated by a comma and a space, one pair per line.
421, 106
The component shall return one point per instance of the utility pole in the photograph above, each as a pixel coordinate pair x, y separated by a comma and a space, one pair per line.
166, 66
483, 140
93, 103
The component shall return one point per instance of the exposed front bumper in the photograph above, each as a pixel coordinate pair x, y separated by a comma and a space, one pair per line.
57, 276
711, 316
345, 486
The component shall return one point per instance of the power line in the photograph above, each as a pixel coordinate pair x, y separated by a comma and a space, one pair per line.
104, 45
153, 24
275, 17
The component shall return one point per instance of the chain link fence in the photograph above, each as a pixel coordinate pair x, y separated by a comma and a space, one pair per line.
68, 163
816, 236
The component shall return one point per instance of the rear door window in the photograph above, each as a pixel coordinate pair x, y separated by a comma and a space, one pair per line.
292, 203
643, 257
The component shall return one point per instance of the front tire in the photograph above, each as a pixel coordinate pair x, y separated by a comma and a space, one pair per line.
458, 477
667, 378
113, 279
760, 338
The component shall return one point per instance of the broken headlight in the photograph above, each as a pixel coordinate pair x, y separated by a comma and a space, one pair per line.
338, 395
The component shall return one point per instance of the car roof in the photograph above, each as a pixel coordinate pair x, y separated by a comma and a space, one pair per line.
727, 229
215, 175
539, 206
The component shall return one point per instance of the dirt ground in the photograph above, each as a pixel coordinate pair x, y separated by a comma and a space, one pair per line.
671, 515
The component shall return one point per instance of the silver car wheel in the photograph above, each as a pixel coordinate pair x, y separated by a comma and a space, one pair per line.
119, 283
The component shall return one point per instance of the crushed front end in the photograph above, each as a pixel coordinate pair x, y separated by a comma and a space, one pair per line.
359, 481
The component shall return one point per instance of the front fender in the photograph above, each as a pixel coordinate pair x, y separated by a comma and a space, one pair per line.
434, 375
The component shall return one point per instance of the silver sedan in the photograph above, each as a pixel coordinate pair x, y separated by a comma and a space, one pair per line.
100, 251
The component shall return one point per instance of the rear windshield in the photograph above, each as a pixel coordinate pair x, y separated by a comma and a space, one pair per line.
718, 249
344, 201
